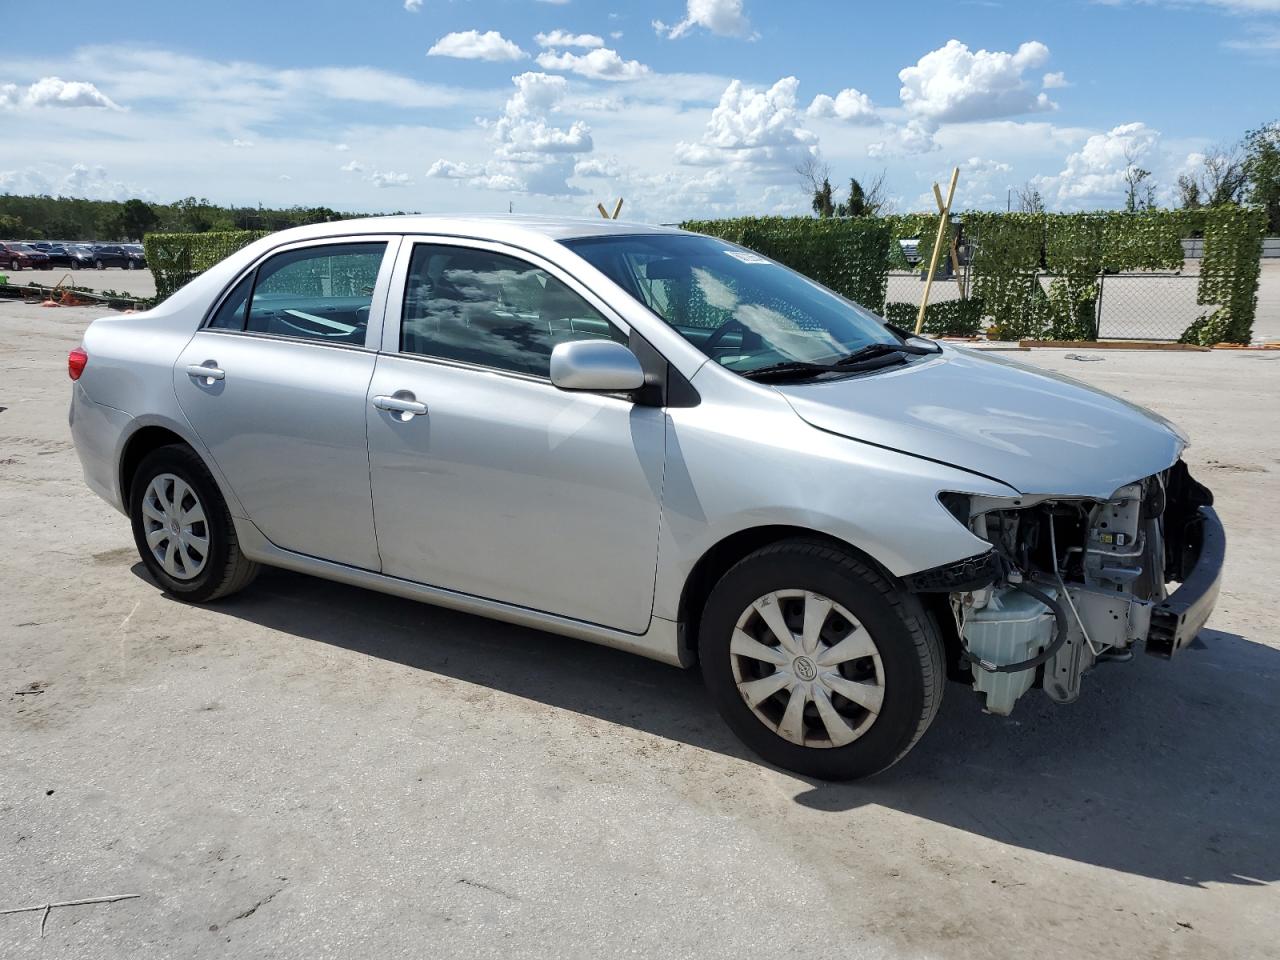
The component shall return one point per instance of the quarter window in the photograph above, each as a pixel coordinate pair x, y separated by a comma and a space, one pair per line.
492, 310
315, 293
230, 315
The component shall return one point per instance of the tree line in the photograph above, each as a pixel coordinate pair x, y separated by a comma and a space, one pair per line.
73, 218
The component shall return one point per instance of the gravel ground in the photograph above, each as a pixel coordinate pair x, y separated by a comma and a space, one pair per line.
310, 770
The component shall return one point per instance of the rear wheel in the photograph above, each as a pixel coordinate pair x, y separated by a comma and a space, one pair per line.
183, 529
15, 265
820, 663
98, 264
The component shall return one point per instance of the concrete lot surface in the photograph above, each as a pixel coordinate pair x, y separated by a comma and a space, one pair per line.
139, 282
310, 770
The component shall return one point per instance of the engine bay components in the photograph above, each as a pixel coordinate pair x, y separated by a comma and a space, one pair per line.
1010, 627
1078, 581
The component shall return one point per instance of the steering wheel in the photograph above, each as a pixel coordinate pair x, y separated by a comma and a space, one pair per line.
718, 334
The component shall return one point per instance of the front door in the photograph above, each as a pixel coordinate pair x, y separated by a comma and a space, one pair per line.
275, 386
487, 479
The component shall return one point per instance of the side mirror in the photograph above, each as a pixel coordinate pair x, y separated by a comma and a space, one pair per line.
602, 366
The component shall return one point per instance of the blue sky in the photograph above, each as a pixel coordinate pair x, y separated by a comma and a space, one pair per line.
685, 107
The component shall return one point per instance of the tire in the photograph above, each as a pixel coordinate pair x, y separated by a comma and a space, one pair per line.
221, 569
15, 266
130, 265
98, 265
907, 665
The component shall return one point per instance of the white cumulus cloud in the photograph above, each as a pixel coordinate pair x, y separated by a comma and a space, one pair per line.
753, 128
724, 17
448, 170
599, 64
563, 38
56, 92
389, 178
913, 137
849, 104
474, 45
1094, 176
955, 84
531, 154
81, 180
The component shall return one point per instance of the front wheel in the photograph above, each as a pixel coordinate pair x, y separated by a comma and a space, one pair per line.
15, 265
99, 265
183, 529
818, 662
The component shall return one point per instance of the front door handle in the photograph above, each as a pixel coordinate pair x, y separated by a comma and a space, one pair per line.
203, 372
401, 404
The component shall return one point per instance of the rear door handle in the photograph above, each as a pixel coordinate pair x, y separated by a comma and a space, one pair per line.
400, 404
203, 372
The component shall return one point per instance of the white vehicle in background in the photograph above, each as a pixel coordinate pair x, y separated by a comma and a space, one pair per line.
656, 441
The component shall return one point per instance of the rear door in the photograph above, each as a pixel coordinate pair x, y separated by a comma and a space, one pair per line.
275, 384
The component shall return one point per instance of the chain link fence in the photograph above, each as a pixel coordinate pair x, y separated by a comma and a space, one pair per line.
1137, 305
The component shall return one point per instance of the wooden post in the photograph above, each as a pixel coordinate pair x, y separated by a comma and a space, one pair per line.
937, 246
951, 245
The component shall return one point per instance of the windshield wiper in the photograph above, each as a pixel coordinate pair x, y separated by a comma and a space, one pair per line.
798, 369
873, 350
871, 357
790, 369
905, 335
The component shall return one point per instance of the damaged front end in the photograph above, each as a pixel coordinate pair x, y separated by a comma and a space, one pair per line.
1071, 581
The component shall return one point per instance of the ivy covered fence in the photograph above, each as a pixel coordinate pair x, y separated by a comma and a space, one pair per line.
1034, 275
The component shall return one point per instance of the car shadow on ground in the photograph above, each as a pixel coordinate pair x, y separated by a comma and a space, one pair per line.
1168, 770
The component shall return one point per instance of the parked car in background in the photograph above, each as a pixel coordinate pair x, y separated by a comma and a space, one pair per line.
17, 256
70, 255
657, 441
113, 255
137, 254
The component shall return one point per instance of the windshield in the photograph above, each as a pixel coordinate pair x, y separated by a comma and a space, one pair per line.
741, 309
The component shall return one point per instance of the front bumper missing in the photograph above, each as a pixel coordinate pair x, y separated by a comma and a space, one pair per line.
1177, 621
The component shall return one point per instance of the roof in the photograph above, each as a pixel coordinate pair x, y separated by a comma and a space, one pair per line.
488, 226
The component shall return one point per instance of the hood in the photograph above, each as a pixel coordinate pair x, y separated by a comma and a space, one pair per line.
1036, 431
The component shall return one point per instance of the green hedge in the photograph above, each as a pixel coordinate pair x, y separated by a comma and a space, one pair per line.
1015, 254
850, 255
177, 258
1229, 274
943, 318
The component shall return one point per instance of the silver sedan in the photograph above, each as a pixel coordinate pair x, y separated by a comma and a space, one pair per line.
657, 441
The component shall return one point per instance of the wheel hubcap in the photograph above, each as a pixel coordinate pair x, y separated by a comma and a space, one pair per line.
174, 523
807, 668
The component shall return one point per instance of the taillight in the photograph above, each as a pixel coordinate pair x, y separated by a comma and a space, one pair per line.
76, 360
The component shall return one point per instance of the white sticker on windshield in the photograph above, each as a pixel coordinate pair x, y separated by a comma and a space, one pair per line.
747, 257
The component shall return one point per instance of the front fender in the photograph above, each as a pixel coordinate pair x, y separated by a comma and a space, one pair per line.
784, 472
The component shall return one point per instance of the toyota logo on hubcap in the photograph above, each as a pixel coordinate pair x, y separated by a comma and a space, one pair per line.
804, 668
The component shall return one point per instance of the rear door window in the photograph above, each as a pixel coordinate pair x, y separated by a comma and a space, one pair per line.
320, 293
